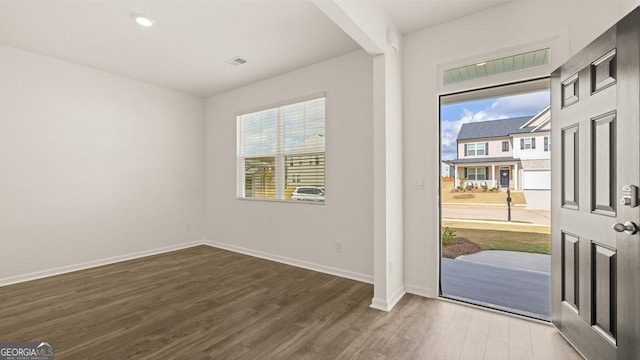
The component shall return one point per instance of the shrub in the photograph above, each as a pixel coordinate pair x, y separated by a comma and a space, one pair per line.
448, 234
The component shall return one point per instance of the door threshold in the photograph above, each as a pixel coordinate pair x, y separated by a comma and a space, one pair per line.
497, 310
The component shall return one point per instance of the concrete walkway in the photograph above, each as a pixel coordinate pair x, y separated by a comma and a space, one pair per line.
514, 290
512, 281
511, 259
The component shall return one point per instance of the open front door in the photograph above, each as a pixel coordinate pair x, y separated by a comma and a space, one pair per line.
595, 102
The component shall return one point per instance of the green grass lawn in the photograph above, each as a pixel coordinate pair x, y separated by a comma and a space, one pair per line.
532, 242
497, 225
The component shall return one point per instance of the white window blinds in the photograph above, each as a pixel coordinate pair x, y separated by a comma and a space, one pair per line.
281, 152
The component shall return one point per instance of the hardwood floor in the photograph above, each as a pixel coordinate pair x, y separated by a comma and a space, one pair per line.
207, 303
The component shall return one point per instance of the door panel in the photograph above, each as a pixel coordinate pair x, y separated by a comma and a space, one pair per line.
595, 270
504, 177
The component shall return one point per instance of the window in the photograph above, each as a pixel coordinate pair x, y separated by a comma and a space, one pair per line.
476, 149
527, 143
272, 142
498, 66
478, 173
547, 143
505, 146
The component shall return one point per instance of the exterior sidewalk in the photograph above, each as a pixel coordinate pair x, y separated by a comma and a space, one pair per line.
511, 259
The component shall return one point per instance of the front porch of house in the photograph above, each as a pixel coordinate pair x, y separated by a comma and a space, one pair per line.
488, 174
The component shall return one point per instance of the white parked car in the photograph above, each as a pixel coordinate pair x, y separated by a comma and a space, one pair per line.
311, 193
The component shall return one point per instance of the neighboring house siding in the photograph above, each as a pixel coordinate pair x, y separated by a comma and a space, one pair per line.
537, 153
446, 170
536, 164
494, 146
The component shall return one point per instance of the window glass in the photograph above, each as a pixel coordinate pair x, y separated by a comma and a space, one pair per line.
478, 173
260, 177
471, 149
280, 150
480, 149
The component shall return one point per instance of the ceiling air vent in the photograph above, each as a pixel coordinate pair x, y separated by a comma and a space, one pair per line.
236, 61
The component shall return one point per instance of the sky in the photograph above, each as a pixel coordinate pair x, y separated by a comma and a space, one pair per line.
453, 116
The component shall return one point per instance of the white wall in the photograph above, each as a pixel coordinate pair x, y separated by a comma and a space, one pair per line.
565, 26
92, 166
299, 233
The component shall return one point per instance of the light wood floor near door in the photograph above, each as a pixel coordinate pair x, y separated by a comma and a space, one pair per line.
206, 303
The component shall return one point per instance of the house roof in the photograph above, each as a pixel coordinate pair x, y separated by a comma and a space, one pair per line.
494, 128
542, 117
485, 160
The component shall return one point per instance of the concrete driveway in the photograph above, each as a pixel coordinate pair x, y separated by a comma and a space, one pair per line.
520, 291
538, 199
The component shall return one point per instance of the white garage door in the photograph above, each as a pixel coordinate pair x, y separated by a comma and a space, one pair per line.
536, 179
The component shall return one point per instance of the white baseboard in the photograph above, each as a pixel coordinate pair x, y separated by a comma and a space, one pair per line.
95, 263
396, 297
388, 304
293, 262
379, 304
421, 291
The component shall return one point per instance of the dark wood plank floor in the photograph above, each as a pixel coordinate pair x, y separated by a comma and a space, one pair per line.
207, 303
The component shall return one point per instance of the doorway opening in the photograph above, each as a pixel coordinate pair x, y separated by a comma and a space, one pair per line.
495, 200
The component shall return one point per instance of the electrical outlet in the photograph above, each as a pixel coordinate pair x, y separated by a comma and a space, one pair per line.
338, 246
187, 228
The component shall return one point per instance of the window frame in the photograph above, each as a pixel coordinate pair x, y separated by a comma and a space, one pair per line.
547, 143
279, 154
476, 173
527, 141
473, 149
484, 149
505, 148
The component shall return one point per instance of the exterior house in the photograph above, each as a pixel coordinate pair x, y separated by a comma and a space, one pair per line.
302, 168
446, 169
504, 153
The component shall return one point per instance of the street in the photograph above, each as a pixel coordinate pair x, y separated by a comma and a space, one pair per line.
462, 211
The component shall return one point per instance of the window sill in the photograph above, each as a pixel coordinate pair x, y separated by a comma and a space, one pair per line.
282, 201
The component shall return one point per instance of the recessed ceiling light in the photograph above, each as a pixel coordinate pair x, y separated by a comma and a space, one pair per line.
481, 64
143, 20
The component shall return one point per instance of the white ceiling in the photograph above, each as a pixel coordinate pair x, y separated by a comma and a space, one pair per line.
412, 15
186, 48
